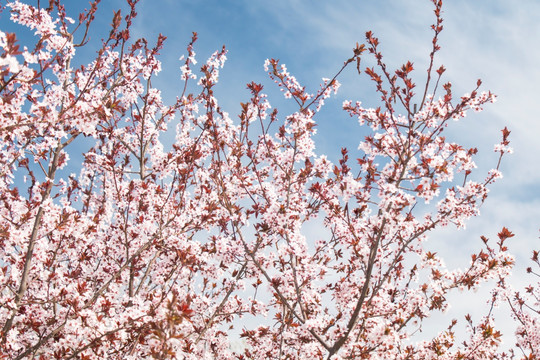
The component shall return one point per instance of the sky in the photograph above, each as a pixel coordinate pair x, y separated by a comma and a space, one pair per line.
495, 40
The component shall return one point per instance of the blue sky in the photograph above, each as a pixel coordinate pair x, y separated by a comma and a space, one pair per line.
495, 40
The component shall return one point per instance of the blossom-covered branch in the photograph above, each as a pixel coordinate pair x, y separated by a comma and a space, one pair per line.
153, 249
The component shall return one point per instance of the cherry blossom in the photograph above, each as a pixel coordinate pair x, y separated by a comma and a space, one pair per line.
182, 250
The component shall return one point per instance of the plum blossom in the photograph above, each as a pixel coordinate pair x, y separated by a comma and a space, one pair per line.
236, 229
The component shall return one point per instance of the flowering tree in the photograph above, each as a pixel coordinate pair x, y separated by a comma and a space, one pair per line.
158, 250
